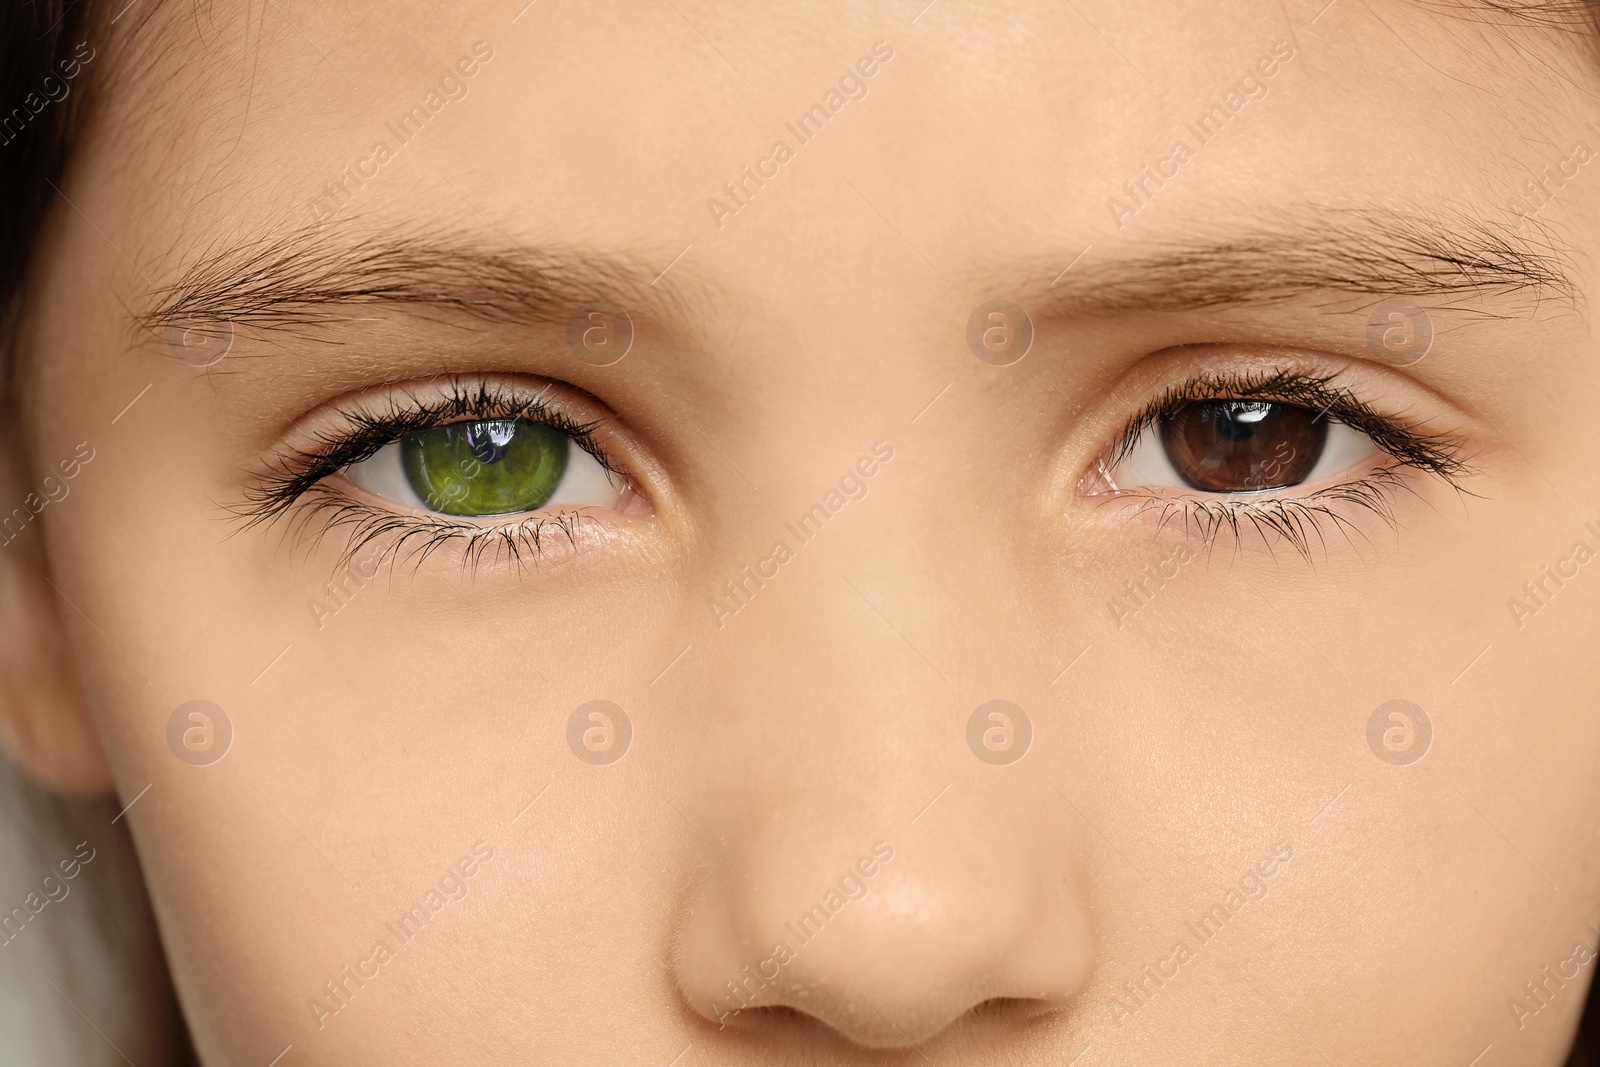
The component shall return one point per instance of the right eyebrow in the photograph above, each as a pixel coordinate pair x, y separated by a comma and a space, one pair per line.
316, 277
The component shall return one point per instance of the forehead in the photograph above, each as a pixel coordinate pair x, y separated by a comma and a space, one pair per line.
919, 146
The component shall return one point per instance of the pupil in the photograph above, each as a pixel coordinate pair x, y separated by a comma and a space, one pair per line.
1237, 419
1241, 446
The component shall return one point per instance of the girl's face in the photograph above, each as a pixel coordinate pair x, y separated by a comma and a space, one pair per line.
686, 534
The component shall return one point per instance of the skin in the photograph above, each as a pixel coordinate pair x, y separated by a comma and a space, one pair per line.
1225, 719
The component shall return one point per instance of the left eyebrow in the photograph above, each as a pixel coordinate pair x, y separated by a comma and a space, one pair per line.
315, 278
1328, 253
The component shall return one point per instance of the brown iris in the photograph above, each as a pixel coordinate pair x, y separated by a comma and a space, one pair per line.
1239, 446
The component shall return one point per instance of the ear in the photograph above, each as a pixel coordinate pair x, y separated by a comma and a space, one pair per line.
45, 725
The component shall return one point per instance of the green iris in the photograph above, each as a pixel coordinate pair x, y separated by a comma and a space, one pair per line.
487, 467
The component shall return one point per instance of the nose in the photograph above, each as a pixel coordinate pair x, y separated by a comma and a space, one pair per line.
890, 941
828, 901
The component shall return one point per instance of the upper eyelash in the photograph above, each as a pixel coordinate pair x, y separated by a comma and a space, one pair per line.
291, 473
1437, 453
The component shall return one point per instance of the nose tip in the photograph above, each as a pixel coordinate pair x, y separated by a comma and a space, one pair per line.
910, 965
887, 959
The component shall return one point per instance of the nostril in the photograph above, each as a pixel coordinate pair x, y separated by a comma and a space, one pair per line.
1012, 1011
851, 1021
782, 1023
872, 1029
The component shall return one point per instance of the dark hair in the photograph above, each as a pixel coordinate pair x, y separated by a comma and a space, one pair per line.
38, 39
1583, 1049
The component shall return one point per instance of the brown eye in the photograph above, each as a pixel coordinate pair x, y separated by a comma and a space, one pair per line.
1234, 446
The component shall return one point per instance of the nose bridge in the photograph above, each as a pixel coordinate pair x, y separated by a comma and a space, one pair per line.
847, 645
870, 578
852, 643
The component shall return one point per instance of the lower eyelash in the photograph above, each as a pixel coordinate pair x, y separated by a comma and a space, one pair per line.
419, 536
1300, 522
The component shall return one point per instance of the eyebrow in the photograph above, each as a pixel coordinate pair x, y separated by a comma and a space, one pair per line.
314, 278
1574, 17
1330, 253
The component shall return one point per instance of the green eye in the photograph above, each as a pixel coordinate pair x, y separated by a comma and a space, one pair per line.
486, 467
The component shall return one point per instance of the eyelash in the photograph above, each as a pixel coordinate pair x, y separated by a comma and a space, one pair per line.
297, 475
1295, 520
